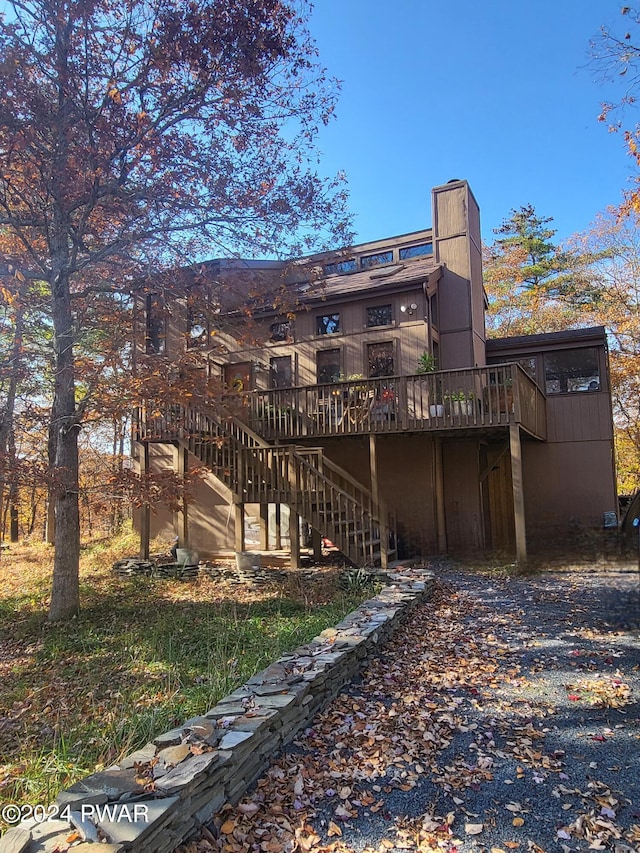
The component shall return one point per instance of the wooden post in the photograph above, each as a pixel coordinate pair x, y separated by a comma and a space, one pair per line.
278, 524
378, 504
145, 509
294, 538
264, 527
438, 473
181, 519
518, 494
294, 518
239, 526
316, 540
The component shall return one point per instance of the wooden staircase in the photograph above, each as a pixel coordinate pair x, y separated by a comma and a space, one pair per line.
319, 491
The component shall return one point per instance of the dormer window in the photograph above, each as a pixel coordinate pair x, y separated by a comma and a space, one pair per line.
328, 324
416, 251
368, 261
341, 267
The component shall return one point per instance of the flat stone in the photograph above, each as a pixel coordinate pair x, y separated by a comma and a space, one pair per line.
73, 798
128, 831
16, 840
112, 783
173, 755
275, 672
233, 739
227, 709
140, 756
91, 848
87, 830
186, 772
203, 728
268, 689
170, 738
255, 722
279, 700
46, 836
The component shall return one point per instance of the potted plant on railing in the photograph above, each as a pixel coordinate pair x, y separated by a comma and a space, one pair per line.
460, 402
427, 364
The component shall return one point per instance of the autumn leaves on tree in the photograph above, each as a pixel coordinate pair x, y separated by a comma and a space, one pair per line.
136, 134
534, 285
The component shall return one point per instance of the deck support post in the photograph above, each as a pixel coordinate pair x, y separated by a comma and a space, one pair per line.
264, 527
277, 519
145, 509
316, 542
438, 474
515, 444
294, 517
181, 516
239, 527
378, 504
294, 538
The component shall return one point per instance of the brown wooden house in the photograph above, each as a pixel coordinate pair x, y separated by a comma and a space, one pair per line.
370, 403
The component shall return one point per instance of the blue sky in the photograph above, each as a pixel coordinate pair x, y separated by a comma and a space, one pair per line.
499, 93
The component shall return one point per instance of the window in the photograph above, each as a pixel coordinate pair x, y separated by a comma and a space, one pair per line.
281, 331
368, 261
570, 371
155, 333
433, 310
197, 328
341, 267
528, 365
280, 373
328, 365
379, 315
380, 359
416, 251
327, 324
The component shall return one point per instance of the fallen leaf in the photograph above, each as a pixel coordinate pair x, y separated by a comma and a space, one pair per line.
473, 828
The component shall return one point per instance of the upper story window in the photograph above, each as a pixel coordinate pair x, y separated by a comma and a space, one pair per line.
379, 315
281, 331
416, 251
327, 324
281, 374
328, 365
380, 361
368, 261
197, 328
341, 267
571, 371
155, 324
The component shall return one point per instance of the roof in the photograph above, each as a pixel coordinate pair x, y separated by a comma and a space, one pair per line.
548, 340
365, 281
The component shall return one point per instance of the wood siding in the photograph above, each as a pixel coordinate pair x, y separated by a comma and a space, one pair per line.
579, 417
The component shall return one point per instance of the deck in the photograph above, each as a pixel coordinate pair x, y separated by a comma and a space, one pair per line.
480, 398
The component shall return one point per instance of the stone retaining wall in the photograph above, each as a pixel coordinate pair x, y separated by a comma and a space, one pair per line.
158, 796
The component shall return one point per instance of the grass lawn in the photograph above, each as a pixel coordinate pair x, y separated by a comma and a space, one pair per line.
143, 656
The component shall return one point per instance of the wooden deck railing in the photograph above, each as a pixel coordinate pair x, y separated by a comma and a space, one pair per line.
445, 400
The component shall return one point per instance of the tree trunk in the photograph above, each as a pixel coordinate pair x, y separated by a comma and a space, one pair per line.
7, 457
65, 592
14, 498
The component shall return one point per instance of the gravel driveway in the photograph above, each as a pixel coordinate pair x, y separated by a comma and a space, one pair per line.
504, 715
